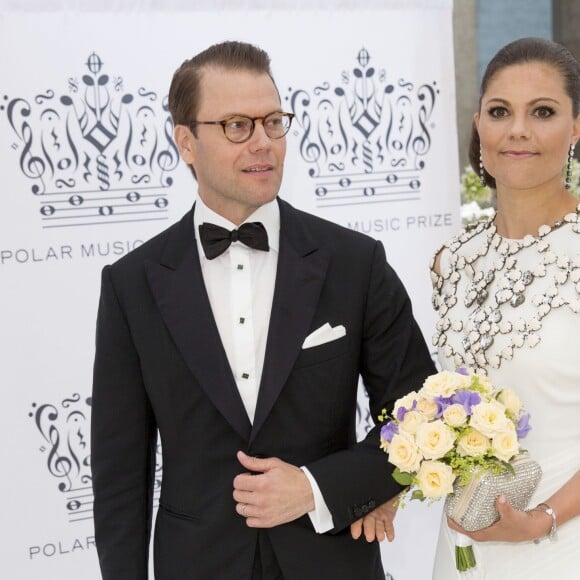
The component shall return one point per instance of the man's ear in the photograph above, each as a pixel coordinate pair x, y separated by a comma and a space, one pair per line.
184, 141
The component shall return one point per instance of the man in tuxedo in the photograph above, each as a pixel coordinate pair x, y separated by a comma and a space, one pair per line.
239, 335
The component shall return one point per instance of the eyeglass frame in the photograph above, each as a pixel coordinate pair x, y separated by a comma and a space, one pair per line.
224, 122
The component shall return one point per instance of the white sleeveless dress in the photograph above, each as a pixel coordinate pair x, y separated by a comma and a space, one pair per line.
512, 309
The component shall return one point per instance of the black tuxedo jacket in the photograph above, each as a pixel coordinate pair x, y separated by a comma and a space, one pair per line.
160, 366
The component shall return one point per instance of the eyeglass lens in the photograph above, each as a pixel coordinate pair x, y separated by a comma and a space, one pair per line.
239, 128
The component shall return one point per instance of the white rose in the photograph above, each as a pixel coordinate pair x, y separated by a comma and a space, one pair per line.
489, 418
434, 439
406, 402
435, 479
403, 453
505, 444
473, 443
455, 415
443, 384
411, 422
511, 401
427, 408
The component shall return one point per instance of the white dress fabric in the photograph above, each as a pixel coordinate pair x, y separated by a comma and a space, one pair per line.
511, 308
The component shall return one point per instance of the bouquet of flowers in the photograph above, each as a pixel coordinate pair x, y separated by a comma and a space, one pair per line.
457, 427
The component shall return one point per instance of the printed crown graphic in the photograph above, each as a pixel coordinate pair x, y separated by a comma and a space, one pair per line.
96, 150
367, 124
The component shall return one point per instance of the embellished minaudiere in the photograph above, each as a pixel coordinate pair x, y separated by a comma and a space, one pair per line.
472, 506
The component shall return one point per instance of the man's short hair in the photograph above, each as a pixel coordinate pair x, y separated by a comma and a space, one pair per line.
184, 93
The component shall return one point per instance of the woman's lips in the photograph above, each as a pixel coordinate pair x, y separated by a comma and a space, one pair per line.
519, 154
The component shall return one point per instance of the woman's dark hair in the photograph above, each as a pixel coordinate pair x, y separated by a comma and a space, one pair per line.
522, 51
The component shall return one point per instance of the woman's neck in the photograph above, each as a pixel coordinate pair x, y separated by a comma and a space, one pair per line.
523, 212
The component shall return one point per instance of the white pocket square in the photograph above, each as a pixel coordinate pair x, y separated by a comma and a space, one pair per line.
324, 334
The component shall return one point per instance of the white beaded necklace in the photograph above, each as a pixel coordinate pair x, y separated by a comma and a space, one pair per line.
488, 315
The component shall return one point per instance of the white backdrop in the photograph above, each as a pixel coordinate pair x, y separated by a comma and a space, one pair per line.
89, 171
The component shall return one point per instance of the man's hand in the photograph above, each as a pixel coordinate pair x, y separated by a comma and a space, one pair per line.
378, 524
277, 494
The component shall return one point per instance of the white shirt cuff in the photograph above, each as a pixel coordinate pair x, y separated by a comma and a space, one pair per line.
320, 517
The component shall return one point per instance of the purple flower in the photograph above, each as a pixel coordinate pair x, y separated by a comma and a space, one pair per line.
388, 430
467, 399
402, 411
442, 404
524, 426
462, 371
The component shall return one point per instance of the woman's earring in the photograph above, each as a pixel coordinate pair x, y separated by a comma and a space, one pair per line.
481, 169
569, 166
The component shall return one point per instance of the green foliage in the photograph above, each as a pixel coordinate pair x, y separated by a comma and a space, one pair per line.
472, 190
464, 558
575, 181
402, 477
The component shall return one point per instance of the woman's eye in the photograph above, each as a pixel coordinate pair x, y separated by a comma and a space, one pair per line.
544, 112
497, 112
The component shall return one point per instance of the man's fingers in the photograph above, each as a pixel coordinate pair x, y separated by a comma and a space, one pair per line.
370, 528
356, 529
255, 464
389, 531
243, 496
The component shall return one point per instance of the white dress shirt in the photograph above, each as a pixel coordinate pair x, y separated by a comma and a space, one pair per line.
240, 285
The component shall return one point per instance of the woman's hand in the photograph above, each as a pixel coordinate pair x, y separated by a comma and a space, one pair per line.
513, 525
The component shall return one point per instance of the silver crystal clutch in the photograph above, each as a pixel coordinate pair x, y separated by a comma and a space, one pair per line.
472, 506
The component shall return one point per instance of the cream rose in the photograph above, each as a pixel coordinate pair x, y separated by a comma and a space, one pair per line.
435, 479
434, 439
384, 445
505, 444
403, 453
427, 408
443, 384
411, 422
489, 418
455, 415
473, 443
406, 402
511, 401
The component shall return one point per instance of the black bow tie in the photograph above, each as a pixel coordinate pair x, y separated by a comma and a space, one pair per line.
216, 240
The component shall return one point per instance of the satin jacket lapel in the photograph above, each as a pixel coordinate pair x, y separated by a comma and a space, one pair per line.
177, 284
300, 274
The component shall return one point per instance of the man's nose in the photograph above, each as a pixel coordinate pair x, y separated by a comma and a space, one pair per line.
259, 139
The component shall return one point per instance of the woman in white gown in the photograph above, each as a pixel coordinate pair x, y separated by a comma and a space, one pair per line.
507, 292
